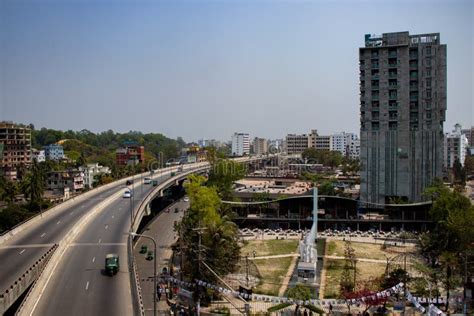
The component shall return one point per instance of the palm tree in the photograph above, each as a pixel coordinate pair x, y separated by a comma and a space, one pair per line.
8, 190
33, 183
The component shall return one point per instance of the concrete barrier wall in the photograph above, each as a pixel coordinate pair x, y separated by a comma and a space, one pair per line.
57, 208
10, 295
30, 302
138, 307
73, 201
142, 208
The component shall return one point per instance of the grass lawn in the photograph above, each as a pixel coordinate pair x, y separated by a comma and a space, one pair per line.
273, 272
365, 271
365, 250
269, 247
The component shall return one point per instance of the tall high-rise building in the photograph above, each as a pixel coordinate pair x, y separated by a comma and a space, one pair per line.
260, 146
402, 111
240, 144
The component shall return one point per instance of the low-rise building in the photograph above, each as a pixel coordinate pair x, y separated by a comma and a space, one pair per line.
54, 152
38, 155
130, 154
90, 171
56, 181
296, 144
195, 154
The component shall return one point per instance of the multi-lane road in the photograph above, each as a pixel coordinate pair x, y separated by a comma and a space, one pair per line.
20, 252
78, 285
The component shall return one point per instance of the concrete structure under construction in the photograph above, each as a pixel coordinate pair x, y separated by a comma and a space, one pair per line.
15, 147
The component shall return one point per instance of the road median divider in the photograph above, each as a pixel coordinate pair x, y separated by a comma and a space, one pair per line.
38, 288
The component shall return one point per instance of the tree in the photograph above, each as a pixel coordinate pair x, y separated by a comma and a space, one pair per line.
299, 293
459, 173
33, 183
328, 158
327, 188
222, 175
453, 233
469, 165
8, 190
395, 277
206, 234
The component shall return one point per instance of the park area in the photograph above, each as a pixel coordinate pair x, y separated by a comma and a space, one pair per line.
273, 270
371, 262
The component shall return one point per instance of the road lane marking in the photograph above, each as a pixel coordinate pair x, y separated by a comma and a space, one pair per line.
22, 251
93, 259
100, 240
42, 235
106, 226
87, 285
71, 213
113, 216
59, 222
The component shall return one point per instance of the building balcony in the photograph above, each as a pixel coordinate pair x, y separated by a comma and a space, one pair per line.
413, 87
414, 76
392, 97
375, 66
414, 98
392, 75
375, 77
375, 97
392, 54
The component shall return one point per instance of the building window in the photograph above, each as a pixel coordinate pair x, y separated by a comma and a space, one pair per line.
428, 61
375, 126
428, 50
428, 83
428, 72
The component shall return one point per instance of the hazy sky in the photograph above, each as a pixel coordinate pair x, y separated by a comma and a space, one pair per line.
204, 69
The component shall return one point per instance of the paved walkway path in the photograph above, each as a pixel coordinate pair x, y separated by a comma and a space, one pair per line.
324, 257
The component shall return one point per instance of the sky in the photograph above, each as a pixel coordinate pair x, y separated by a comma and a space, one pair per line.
206, 69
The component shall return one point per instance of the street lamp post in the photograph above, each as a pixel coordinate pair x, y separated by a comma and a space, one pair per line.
154, 267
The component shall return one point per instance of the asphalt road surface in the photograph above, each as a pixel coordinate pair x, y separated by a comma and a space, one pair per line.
79, 286
20, 252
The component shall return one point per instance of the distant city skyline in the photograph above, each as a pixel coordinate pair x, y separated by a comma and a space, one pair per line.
207, 69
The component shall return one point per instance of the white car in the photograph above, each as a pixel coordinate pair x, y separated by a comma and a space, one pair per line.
127, 194
186, 199
147, 180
